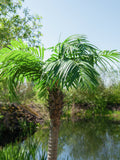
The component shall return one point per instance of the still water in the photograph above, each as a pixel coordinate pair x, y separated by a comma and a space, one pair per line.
97, 139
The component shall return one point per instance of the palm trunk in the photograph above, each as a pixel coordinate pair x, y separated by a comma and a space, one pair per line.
53, 143
55, 109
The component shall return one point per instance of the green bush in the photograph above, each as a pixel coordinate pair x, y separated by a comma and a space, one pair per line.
98, 99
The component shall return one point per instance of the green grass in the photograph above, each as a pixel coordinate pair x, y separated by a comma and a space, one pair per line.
22, 151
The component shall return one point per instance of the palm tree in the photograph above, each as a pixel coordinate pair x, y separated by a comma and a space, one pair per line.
72, 64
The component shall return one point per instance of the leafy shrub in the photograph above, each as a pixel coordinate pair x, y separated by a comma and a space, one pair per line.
98, 99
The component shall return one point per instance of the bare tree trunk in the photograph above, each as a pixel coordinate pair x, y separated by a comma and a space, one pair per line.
55, 109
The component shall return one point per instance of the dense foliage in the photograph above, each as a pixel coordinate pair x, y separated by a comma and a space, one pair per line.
100, 100
17, 22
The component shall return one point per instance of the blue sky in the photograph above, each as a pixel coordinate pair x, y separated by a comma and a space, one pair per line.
99, 20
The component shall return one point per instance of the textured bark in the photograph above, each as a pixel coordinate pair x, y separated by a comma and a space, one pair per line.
53, 142
55, 109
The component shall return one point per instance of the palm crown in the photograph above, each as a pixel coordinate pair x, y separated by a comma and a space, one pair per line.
71, 64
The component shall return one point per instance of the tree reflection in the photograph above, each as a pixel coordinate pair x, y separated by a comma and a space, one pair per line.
82, 140
98, 138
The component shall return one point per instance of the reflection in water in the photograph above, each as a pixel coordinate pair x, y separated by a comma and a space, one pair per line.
97, 139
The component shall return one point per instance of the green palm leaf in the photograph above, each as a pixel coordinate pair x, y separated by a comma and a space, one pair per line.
71, 64
18, 62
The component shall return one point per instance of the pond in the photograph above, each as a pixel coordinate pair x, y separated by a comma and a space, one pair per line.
96, 139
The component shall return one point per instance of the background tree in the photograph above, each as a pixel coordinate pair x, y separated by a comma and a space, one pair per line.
17, 22
71, 65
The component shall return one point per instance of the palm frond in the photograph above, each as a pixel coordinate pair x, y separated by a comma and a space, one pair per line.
74, 61
76, 47
108, 59
71, 64
68, 73
18, 62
